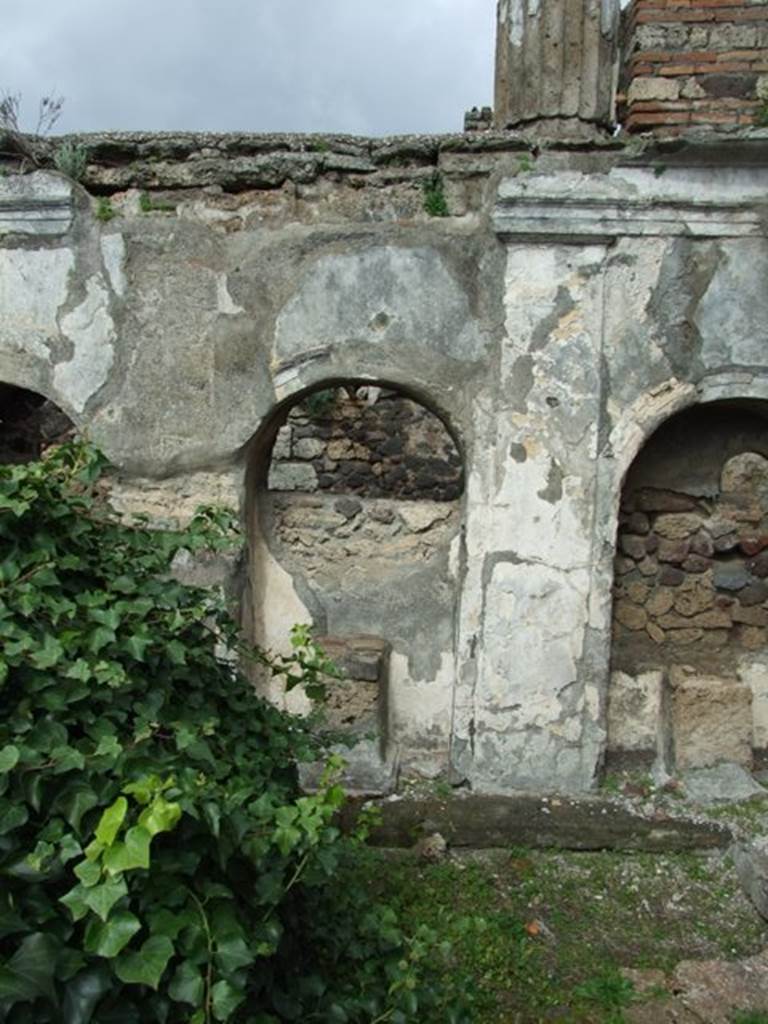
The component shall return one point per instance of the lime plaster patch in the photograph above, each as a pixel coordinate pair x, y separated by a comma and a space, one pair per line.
92, 332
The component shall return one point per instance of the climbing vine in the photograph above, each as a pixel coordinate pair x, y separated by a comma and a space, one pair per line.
158, 861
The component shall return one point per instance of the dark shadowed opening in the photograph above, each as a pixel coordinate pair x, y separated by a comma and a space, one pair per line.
29, 423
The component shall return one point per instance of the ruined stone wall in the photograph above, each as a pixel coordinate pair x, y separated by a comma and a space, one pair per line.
691, 599
690, 568
365, 442
688, 64
568, 304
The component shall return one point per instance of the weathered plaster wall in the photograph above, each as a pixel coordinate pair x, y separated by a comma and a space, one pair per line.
554, 320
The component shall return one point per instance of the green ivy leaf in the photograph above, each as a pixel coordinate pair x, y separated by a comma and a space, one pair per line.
75, 800
136, 646
160, 816
111, 821
9, 758
83, 993
80, 669
12, 816
89, 873
226, 999
145, 967
108, 746
67, 759
233, 953
100, 637
132, 853
74, 901
101, 898
109, 938
187, 985
48, 654
29, 973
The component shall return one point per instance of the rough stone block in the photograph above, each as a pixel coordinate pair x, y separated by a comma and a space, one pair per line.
634, 710
281, 449
745, 474
711, 719
753, 594
292, 476
751, 863
652, 499
755, 675
308, 448
642, 89
632, 616
637, 522
677, 527
673, 550
694, 600
661, 601
731, 576
632, 546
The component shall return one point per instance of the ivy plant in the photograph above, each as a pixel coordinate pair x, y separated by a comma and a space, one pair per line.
157, 860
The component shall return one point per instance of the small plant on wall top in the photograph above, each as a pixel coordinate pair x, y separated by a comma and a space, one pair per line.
71, 159
435, 203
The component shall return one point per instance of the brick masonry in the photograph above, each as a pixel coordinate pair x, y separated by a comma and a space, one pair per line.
694, 63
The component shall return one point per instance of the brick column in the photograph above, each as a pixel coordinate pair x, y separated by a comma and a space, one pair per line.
694, 63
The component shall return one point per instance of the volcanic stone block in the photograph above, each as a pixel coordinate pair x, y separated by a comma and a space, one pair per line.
677, 527
711, 719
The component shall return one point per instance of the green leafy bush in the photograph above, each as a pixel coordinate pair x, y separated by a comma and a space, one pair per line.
158, 862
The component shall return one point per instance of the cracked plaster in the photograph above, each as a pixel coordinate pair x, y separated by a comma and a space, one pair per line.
553, 343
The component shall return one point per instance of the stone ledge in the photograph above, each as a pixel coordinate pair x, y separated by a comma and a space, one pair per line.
35, 204
587, 209
484, 822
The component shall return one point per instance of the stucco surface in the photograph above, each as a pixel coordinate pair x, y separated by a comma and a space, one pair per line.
553, 320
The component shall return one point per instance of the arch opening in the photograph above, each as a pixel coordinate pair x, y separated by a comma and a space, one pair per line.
29, 423
689, 651
355, 493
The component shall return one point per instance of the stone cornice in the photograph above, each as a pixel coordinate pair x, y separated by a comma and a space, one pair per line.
35, 204
597, 209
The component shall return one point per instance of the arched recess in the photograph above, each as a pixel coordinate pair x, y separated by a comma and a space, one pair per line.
29, 423
355, 506
689, 647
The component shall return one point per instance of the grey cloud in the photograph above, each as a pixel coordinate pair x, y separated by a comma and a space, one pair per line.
358, 66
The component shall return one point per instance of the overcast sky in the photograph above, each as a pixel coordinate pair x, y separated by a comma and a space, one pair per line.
371, 67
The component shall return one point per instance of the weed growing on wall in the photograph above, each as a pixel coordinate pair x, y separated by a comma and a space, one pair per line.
148, 204
105, 211
158, 861
71, 159
319, 404
435, 203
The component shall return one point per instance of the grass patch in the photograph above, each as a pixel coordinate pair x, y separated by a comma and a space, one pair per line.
543, 936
